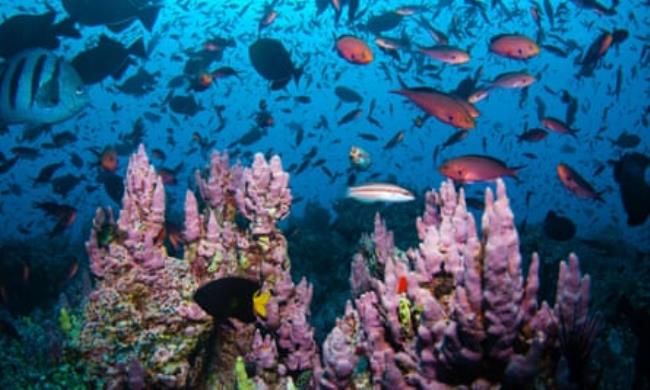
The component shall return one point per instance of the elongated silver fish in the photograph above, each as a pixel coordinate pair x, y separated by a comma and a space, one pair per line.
37, 87
380, 192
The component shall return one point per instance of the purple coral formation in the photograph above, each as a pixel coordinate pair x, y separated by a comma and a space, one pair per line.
141, 315
455, 310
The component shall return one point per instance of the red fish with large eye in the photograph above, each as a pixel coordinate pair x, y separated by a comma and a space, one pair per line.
514, 46
354, 50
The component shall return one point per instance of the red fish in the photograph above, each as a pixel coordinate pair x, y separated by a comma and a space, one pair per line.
558, 126
512, 80
575, 183
354, 50
269, 17
447, 54
402, 285
514, 46
445, 108
108, 160
473, 168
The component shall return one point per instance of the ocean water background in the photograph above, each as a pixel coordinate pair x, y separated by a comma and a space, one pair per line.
184, 26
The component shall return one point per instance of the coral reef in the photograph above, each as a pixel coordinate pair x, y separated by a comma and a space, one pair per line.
455, 310
141, 323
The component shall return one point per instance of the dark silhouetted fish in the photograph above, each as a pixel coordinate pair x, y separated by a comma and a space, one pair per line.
387, 21
558, 227
348, 95
229, 297
117, 15
629, 173
62, 185
47, 172
626, 140
273, 62
140, 83
22, 32
37, 87
185, 105
108, 58
114, 186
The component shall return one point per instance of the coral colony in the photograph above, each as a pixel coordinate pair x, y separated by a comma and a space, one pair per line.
455, 311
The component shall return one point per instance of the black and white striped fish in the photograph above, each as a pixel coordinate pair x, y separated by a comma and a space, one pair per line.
37, 87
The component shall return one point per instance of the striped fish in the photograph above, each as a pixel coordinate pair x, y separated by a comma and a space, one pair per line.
37, 87
380, 192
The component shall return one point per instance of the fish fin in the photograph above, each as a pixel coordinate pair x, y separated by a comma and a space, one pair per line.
67, 28
514, 171
148, 17
119, 27
138, 49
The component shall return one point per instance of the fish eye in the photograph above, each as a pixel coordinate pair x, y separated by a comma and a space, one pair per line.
519, 51
451, 118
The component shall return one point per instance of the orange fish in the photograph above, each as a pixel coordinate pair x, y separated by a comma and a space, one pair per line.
575, 183
445, 108
108, 160
402, 285
514, 46
354, 50
447, 54
472, 168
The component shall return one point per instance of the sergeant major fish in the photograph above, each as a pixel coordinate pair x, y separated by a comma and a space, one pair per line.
38, 87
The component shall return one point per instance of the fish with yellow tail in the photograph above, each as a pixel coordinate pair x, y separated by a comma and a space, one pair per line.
380, 192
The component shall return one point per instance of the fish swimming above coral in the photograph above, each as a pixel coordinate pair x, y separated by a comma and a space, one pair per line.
38, 87
117, 15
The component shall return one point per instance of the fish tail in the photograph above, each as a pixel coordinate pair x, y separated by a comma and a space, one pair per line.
67, 28
514, 171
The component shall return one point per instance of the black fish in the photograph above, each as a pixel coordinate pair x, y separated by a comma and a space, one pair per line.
185, 105
397, 138
114, 187
350, 116
22, 32
385, 22
229, 297
140, 83
64, 184
117, 15
348, 95
629, 173
626, 140
108, 58
273, 62
559, 228
8, 164
47, 172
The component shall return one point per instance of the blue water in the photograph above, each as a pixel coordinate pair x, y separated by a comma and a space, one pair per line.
184, 26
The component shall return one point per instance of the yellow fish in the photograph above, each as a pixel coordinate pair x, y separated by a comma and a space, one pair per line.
260, 299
